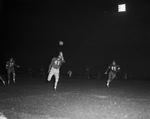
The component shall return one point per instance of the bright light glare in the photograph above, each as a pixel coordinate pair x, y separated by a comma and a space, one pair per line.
122, 8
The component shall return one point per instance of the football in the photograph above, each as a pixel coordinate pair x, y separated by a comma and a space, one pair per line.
61, 43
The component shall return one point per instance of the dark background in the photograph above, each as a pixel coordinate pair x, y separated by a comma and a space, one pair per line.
93, 32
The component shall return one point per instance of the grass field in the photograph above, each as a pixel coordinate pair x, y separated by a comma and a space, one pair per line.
76, 100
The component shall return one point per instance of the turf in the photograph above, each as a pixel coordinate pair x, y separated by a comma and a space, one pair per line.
76, 100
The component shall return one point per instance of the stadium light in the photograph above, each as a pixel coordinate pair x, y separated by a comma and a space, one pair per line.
122, 8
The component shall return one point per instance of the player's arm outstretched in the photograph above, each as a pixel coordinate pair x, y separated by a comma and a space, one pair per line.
62, 57
16, 65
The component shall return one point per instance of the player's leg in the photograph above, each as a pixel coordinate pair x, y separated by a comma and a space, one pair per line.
112, 76
109, 78
70, 74
8, 76
51, 73
2, 80
14, 76
56, 78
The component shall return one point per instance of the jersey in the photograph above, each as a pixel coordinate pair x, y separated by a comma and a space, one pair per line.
10, 64
114, 68
56, 63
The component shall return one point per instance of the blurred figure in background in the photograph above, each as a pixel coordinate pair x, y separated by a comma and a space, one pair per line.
42, 73
10, 66
87, 73
30, 72
69, 73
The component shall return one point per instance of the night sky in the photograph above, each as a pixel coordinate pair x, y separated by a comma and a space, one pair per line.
93, 32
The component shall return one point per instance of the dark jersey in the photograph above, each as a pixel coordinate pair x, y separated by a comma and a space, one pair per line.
114, 68
10, 64
56, 63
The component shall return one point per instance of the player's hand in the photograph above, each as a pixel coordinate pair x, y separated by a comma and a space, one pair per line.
61, 53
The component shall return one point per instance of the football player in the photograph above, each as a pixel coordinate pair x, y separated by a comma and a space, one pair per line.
69, 73
113, 69
10, 66
54, 67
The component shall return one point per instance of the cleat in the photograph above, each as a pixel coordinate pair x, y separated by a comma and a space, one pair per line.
108, 85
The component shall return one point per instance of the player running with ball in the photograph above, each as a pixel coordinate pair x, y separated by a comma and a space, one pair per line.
54, 68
